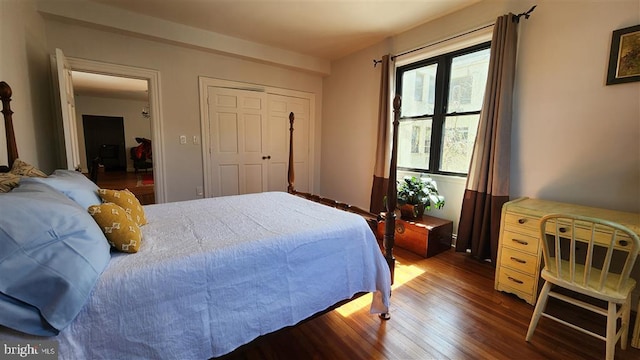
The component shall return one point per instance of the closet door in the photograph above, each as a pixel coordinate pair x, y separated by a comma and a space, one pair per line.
249, 141
237, 131
279, 107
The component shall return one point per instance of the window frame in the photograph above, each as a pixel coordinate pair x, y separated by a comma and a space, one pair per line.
444, 64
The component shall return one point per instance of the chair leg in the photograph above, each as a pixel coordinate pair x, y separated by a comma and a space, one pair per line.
612, 321
635, 339
539, 309
626, 314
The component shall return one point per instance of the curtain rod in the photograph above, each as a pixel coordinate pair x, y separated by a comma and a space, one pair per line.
516, 19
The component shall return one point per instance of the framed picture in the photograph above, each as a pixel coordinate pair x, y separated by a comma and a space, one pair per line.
624, 59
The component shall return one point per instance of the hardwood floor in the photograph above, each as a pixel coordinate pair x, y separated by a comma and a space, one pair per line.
119, 180
443, 307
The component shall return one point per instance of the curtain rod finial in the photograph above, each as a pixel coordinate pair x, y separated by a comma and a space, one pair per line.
526, 14
376, 62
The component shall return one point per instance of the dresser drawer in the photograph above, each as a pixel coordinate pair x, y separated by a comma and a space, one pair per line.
516, 280
524, 243
524, 262
522, 224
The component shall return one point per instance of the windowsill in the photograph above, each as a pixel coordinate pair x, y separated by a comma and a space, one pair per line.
453, 179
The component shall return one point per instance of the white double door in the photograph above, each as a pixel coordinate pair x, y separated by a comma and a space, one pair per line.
249, 141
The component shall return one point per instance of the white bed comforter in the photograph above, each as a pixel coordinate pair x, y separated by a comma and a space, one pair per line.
214, 274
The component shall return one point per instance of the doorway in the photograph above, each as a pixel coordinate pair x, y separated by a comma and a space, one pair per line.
113, 119
152, 77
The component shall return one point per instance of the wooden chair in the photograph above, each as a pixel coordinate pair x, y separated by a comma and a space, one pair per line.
591, 257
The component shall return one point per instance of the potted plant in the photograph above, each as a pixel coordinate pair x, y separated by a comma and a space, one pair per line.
415, 195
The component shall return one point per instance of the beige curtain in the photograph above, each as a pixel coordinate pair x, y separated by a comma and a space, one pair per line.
381, 169
488, 180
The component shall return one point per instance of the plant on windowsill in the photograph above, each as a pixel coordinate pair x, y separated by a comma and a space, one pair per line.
415, 195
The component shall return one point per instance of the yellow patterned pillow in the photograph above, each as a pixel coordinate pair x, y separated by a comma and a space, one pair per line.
23, 169
8, 181
120, 230
127, 201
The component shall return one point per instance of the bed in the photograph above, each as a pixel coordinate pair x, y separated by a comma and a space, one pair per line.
209, 276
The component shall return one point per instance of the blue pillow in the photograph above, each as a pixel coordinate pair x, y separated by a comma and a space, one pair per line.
51, 255
71, 183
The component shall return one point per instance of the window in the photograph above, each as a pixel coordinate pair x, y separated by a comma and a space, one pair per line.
419, 88
441, 102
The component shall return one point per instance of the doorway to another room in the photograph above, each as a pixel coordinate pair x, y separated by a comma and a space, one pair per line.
114, 131
122, 165
137, 103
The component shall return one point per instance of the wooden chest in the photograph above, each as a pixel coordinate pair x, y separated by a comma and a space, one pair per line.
426, 237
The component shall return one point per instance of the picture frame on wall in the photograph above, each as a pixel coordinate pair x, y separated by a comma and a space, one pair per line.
624, 58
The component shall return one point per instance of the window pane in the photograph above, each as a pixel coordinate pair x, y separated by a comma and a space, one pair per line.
457, 146
467, 82
414, 142
418, 91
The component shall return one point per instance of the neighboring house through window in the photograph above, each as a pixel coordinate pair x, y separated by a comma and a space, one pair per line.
441, 102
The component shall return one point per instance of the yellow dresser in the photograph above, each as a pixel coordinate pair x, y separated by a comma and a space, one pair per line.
519, 252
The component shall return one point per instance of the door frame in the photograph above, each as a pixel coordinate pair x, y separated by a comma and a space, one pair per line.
155, 107
205, 82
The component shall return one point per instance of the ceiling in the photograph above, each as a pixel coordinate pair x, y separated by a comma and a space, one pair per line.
324, 29
327, 29
88, 84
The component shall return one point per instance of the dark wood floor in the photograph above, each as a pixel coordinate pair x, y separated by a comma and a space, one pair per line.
443, 307
119, 180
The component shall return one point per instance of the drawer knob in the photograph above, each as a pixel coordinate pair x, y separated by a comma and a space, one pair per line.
623, 242
522, 221
562, 230
515, 280
518, 260
521, 242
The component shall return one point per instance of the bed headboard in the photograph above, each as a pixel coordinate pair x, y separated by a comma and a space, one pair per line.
12, 148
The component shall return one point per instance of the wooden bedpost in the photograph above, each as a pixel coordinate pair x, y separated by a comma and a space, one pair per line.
12, 148
290, 174
390, 216
388, 240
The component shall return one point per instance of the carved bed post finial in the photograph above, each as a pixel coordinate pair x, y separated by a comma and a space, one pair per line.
5, 97
290, 174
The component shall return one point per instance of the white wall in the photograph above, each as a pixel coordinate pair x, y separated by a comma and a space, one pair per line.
24, 65
574, 139
349, 127
179, 69
135, 125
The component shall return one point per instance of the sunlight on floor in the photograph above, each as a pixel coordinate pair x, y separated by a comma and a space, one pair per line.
403, 274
